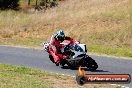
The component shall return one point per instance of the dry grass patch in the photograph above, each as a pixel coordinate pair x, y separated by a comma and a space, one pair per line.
94, 22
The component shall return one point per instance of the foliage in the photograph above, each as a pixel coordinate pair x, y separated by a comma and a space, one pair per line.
48, 3
9, 4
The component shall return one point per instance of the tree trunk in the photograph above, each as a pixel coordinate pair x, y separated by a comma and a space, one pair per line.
36, 2
29, 2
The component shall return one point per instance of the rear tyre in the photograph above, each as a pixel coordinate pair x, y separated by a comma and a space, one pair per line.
69, 65
62, 62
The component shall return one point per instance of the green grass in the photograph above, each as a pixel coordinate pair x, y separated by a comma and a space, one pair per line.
24, 77
21, 77
32, 2
28, 42
118, 87
100, 49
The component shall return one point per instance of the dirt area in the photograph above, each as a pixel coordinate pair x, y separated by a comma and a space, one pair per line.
71, 83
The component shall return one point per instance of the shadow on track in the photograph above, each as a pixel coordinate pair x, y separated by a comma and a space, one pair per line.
86, 69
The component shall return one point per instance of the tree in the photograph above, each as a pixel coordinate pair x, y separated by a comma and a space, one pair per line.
48, 3
29, 2
9, 4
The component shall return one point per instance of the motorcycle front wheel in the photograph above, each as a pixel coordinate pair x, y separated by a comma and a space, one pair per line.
91, 64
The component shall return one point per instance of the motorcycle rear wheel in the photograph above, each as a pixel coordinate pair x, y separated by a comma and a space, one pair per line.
62, 62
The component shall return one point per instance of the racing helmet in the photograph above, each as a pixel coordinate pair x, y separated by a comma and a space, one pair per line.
60, 35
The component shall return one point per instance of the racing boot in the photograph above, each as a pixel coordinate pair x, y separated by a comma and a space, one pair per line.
57, 63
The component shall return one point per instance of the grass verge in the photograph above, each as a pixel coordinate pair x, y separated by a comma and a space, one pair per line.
24, 77
110, 51
100, 49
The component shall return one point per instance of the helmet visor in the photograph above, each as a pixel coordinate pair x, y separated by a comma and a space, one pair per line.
61, 38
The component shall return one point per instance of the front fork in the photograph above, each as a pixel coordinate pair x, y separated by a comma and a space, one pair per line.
85, 61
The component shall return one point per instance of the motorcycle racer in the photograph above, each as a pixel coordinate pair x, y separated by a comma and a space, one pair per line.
55, 45
64, 50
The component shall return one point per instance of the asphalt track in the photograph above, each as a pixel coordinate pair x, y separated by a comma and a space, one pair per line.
38, 59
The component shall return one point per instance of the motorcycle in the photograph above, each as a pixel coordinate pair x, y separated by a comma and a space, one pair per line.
77, 56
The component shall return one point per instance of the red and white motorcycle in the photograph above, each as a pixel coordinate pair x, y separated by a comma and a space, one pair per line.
77, 56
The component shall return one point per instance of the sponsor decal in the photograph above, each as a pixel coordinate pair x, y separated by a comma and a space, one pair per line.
83, 78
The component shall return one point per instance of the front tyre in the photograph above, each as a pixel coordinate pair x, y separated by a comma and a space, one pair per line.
91, 64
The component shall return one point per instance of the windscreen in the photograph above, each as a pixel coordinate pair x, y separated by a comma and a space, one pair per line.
76, 48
